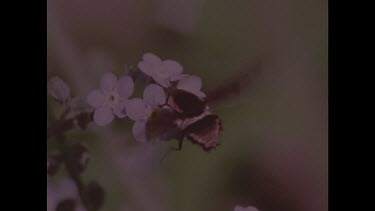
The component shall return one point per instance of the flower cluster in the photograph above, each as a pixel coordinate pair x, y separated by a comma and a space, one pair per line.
172, 105
73, 194
109, 100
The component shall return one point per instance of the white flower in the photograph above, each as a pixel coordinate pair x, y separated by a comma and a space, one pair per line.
161, 71
140, 110
58, 89
250, 208
192, 84
110, 99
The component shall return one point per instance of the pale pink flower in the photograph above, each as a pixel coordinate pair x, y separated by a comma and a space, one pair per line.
163, 72
140, 110
79, 105
110, 99
58, 89
192, 84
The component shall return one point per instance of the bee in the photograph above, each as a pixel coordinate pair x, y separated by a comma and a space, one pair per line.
186, 104
186, 116
205, 132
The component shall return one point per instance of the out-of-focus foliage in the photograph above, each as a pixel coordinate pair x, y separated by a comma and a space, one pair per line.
274, 143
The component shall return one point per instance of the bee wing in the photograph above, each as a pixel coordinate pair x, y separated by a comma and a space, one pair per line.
205, 132
162, 125
186, 104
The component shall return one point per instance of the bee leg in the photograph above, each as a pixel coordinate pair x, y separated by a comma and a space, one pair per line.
179, 148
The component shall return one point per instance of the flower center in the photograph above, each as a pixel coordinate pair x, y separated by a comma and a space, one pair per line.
112, 98
162, 72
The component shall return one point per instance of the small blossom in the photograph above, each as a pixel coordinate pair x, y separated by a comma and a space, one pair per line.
137, 109
139, 130
79, 105
192, 84
250, 208
58, 89
110, 99
140, 110
163, 72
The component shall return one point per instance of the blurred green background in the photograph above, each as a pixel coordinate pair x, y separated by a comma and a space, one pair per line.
274, 143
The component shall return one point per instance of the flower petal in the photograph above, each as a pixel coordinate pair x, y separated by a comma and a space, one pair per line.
58, 89
103, 116
125, 86
177, 77
151, 58
161, 81
172, 67
119, 109
200, 94
149, 64
191, 84
139, 131
154, 95
96, 98
108, 82
79, 105
146, 68
137, 109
